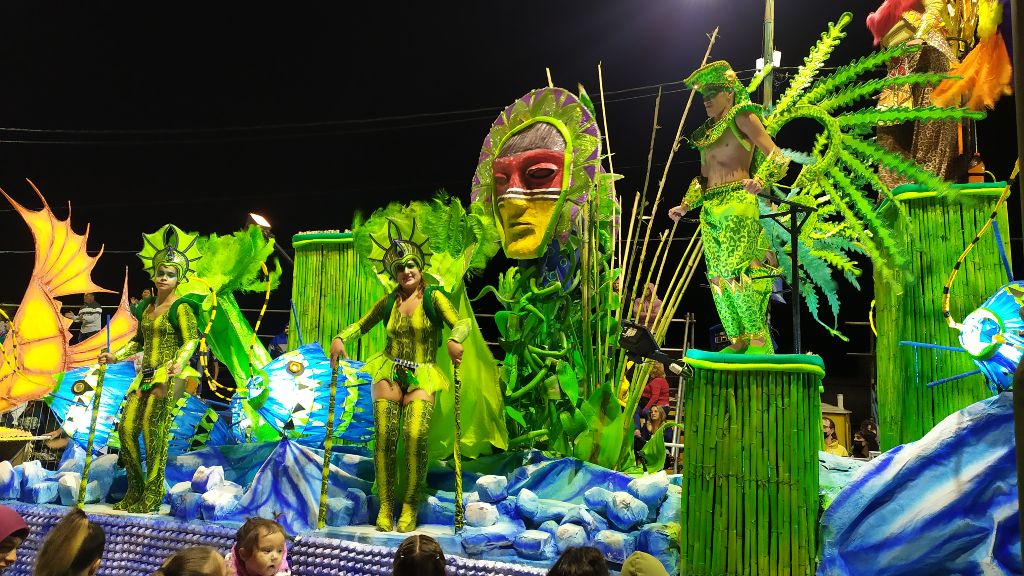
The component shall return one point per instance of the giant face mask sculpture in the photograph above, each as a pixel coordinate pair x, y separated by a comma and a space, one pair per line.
543, 151
528, 188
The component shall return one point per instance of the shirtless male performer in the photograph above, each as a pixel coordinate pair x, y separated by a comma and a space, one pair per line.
739, 259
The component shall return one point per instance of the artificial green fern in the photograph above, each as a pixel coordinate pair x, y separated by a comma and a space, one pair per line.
848, 96
850, 72
813, 62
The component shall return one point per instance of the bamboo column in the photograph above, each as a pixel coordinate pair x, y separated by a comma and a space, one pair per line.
936, 233
750, 477
331, 288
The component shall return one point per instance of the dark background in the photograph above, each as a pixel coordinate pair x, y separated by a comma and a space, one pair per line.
198, 113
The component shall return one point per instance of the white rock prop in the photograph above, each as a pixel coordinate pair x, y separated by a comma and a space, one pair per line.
535, 545
206, 479
481, 514
625, 511
570, 535
492, 488
649, 489
615, 545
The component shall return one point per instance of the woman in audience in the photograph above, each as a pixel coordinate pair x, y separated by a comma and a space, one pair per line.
72, 548
418, 555
194, 561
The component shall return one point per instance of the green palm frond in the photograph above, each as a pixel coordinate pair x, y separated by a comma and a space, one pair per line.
850, 72
849, 95
879, 230
870, 118
880, 155
813, 63
759, 77
872, 179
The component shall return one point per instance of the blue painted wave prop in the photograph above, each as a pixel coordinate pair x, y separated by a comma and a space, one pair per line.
296, 399
277, 480
71, 401
946, 504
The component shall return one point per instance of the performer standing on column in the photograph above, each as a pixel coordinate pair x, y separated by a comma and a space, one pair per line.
405, 377
167, 336
739, 259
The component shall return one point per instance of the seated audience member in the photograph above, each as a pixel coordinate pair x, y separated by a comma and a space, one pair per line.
72, 548
652, 421
647, 307
418, 555
864, 443
13, 532
869, 426
642, 564
580, 561
194, 561
832, 445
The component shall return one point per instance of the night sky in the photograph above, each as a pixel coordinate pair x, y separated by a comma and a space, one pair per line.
198, 113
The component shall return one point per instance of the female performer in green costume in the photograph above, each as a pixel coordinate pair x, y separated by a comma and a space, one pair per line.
167, 336
405, 377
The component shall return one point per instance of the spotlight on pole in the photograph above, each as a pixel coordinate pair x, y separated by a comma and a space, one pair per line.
265, 227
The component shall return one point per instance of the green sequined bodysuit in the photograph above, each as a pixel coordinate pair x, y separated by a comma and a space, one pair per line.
149, 411
412, 342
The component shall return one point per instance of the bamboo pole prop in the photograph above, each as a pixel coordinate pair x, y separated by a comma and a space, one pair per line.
616, 250
328, 445
664, 177
83, 484
750, 477
457, 453
636, 199
591, 380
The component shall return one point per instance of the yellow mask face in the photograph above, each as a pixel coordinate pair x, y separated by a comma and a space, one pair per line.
527, 190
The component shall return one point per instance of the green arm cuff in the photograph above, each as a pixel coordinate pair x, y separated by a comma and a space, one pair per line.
460, 330
694, 196
772, 168
349, 332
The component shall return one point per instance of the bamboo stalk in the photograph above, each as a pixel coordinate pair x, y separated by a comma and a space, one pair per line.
328, 445
84, 482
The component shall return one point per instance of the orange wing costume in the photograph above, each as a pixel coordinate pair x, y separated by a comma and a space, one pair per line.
37, 348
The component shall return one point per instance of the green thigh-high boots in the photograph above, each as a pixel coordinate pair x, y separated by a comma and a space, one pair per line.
416, 428
131, 457
385, 444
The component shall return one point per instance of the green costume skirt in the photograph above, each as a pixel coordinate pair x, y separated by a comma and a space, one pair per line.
408, 376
